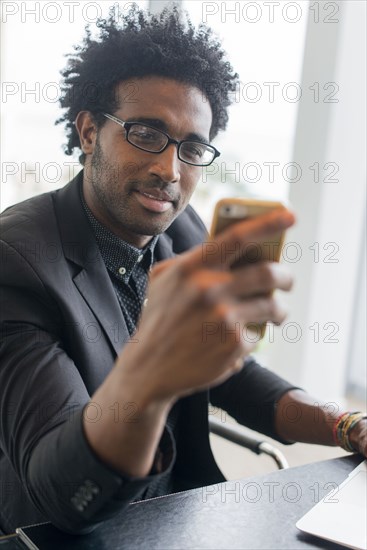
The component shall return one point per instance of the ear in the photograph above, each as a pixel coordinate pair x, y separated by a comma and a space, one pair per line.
87, 130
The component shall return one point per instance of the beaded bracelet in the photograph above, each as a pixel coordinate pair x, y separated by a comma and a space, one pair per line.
342, 428
339, 421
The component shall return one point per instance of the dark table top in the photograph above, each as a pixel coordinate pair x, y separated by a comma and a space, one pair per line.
256, 512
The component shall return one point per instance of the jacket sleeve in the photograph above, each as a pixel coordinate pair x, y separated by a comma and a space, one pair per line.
42, 401
250, 397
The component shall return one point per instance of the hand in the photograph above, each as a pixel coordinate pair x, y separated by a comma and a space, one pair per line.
358, 437
192, 334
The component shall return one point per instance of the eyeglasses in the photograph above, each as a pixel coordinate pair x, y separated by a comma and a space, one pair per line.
150, 139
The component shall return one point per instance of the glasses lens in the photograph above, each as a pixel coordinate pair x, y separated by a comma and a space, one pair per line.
147, 138
197, 153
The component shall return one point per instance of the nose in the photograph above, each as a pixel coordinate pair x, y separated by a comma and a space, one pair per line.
166, 165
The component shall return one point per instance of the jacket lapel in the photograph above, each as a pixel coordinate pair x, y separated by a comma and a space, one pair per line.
91, 277
163, 248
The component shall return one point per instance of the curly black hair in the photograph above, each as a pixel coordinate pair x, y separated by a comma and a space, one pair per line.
141, 45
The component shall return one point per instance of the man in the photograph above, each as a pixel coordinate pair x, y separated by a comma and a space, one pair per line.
100, 404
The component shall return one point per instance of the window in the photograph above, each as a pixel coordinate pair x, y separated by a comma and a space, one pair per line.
264, 44
35, 38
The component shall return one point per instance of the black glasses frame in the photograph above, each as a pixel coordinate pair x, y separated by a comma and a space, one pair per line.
127, 126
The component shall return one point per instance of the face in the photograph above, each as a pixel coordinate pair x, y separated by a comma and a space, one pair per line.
138, 194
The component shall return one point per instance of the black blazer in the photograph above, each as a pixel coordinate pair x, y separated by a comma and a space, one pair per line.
61, 331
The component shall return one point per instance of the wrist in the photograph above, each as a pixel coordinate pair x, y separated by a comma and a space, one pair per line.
138, 372
358, 436
347, 428
148, 402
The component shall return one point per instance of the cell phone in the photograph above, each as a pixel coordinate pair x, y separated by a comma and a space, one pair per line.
232, 210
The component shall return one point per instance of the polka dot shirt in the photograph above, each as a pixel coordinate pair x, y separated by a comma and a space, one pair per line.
127, 266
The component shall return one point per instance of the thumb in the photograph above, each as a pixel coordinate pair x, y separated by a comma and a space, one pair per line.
159, 267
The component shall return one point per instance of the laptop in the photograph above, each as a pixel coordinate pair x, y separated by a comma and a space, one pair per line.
341, 516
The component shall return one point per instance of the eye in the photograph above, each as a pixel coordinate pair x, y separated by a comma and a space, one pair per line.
193, 150
144, 133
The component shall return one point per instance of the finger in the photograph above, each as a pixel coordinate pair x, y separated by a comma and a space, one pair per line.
240, 284
160, 267
214, 253
247, 345
260, 310
250, 337
238, 364
260, 278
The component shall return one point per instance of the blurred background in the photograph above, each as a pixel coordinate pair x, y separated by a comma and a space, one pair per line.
297, 134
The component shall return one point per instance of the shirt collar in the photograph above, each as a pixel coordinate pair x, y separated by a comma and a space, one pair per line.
120, 257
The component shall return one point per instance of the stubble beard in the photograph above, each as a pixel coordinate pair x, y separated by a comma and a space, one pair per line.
118, 200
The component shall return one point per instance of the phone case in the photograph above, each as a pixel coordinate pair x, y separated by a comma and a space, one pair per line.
233, 210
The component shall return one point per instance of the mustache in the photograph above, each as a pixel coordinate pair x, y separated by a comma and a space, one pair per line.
168, 189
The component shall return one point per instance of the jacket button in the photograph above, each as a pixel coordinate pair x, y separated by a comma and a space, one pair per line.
92, 487
78, 504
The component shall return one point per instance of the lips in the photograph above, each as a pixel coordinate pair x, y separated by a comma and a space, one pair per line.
157, 195
154, 200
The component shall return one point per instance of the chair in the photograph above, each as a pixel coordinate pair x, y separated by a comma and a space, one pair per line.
242, 436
